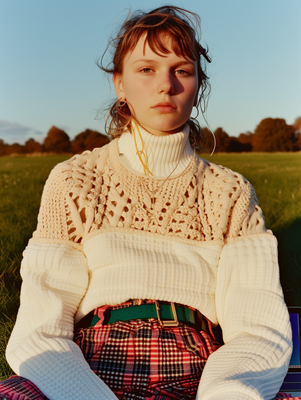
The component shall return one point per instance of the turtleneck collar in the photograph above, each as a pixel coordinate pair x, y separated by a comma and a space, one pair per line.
166, 154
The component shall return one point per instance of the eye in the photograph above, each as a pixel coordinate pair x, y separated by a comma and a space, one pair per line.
146, 70
181, 72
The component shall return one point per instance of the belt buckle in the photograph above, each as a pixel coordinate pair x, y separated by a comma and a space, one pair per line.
168, 323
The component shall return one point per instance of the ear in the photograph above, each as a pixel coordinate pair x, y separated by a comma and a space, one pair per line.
117, 81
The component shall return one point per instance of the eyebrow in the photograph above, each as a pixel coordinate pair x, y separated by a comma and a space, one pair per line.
157, 62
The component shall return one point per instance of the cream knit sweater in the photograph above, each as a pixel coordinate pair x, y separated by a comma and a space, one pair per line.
107, 233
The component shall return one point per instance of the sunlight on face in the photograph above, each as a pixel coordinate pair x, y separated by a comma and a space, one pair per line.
160, 89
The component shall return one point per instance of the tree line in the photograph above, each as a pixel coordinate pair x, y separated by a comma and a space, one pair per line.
270, 135
57, 141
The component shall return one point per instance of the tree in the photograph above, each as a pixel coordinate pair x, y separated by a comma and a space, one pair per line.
297, 146
88, 140
15, 148
273, 134
209, 142
32, 146
235, 146
57, 141
3, 148
222, 140
247, 140
297, 125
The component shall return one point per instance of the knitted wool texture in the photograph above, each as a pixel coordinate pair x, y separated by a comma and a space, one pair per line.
106, 234
97, 192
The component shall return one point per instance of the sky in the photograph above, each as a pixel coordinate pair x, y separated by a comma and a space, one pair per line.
48, 74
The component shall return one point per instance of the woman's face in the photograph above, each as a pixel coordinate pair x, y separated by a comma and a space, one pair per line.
160, 90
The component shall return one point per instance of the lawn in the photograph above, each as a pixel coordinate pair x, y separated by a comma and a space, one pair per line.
21, 184
275, 177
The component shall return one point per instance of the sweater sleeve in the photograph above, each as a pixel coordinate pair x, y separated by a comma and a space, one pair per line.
55, 279
252, 363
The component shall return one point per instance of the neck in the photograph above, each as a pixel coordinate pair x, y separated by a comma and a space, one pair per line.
166, 155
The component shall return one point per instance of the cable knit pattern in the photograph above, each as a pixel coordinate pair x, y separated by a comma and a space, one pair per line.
107, 233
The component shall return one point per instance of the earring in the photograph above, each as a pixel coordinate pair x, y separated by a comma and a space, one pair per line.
120, 103
197, 113
214, 142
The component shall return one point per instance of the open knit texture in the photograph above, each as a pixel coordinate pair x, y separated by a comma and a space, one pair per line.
96, 192
106, 234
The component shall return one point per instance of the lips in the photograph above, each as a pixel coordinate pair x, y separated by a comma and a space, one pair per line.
165, 107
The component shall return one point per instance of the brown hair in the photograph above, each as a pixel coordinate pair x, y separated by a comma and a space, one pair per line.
178, 24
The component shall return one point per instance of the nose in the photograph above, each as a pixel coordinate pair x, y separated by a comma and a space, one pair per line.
166, 84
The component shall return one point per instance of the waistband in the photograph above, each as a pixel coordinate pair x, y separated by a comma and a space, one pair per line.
167, 314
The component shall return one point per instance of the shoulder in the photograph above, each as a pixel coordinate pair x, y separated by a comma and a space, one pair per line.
222, 178
80, 166
76, 174
229, 201
89, 160
69, 194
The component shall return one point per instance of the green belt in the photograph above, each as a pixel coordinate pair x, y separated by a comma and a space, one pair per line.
168, 315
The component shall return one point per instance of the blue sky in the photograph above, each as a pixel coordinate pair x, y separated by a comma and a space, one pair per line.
48, 74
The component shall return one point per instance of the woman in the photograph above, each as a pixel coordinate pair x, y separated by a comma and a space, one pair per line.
146, 246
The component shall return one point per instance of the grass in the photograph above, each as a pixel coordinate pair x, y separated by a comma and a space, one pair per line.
275, 177
21, 184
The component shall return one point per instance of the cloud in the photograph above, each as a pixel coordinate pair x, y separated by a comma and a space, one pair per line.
12, 132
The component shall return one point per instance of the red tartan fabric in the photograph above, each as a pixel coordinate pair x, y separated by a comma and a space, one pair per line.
18, 388
138, 360
142, 360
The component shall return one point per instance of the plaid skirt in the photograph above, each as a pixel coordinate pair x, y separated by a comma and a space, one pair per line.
138, 360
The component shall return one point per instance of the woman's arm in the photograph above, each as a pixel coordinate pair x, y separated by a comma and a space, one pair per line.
250, 310
55, 278
41, 348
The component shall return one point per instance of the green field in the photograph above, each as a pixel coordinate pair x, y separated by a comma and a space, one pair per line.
275, 177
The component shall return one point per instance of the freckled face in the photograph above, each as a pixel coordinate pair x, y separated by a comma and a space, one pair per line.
161, 90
